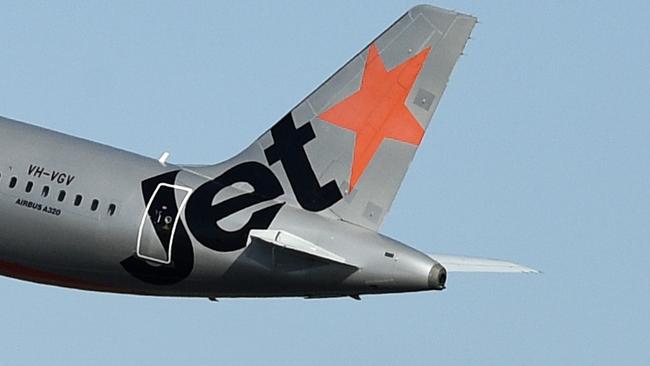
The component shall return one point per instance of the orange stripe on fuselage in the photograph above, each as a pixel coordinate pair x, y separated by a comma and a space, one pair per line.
35, 275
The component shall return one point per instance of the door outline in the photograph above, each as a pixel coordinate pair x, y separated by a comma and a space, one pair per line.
145, 215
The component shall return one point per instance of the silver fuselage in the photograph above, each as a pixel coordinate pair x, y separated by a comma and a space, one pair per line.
59, 242
296, 213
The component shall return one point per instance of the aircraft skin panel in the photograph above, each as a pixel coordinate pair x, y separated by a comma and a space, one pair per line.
295, 214
361, 128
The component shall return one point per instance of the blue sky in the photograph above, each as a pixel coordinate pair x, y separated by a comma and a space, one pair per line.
538, 153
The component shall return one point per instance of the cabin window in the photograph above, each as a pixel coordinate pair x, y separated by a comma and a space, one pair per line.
111, 209
12, 182
61, 196
94, 205
45, 191
77, 200
29, 186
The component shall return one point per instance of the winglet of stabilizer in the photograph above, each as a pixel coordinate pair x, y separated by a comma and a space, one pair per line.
472, 264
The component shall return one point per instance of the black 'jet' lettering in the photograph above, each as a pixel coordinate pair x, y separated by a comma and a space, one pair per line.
202, 216
288, 148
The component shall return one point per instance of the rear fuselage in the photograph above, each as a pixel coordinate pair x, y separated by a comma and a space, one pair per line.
85, 215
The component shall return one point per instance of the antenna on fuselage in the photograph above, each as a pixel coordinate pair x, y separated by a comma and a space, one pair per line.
163, 158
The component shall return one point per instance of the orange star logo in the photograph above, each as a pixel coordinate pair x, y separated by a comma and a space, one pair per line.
377, 110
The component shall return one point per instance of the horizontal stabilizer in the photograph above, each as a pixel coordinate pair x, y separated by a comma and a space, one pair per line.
472, 264
295, 243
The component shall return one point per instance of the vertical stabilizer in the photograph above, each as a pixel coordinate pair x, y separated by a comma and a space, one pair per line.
344, 150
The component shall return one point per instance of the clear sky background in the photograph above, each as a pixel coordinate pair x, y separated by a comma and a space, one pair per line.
539, 153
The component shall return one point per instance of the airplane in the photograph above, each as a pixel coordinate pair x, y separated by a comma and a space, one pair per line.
295, 214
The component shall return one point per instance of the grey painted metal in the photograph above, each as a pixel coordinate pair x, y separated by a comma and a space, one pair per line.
83, 245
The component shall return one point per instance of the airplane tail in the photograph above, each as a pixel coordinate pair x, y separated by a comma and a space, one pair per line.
344, 150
